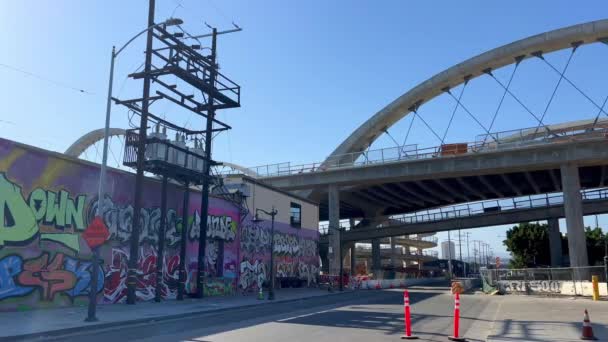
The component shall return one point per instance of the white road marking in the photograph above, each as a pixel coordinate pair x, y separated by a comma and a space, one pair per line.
301, 316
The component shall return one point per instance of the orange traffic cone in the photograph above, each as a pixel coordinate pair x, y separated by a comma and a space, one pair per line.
587, 329
378, 286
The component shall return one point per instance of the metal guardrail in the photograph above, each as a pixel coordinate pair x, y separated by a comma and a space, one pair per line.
412, 152
424, 252
485, 207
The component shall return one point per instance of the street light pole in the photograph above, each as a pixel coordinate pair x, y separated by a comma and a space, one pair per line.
92, 306
272, 214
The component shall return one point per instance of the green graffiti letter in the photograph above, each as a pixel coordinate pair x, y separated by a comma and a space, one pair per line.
75, 212
55, 210
17, 221
38, 203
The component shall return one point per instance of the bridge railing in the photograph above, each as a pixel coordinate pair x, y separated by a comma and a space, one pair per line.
485, 207
485, 143
385, 248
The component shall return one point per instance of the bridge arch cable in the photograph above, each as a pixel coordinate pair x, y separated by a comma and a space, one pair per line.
415, 111
112, 152
599, 113
409, 129
445, 133
576, 87
559, 81
504, 94
458, 103
508, 91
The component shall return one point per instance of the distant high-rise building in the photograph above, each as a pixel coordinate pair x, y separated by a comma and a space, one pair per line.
448, 252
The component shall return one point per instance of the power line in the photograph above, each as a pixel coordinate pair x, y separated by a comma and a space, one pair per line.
46, 79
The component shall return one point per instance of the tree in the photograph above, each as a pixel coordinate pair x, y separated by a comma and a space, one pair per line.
529, 245
596, 240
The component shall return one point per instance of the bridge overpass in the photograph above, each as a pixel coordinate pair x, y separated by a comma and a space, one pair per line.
549, 207
546, 159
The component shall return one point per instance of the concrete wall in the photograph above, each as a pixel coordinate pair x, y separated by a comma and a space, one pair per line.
295, 249
371, 284
47, 200
555, 287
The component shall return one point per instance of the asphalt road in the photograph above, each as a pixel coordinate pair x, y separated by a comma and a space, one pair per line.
358, 316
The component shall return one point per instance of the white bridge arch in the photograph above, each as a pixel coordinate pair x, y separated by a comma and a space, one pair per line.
563, 38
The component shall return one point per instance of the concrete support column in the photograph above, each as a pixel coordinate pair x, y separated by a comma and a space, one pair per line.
555, 242
334, 232
573, 209
376, 259
353, 261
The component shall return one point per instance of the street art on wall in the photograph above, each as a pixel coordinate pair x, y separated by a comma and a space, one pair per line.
47, 201
46, 276
531, 286
295, 254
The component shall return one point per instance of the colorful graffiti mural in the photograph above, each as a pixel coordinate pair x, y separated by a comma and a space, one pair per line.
47, 276
47, 201
295, 254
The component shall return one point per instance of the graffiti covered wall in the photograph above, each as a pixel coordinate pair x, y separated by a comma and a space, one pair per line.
46, 202
295, 254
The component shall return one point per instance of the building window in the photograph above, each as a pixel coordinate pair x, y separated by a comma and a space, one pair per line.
295, 217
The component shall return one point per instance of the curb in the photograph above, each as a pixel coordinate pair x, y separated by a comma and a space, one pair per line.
101, 326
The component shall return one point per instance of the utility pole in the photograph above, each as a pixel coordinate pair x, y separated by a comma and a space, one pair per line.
459, 245
139, 178
200, 283
468, 253
449, 255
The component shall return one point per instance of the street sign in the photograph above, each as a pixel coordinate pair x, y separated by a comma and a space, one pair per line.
96, 233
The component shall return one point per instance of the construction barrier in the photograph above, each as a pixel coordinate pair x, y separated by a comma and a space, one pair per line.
587, 329
371, 284
456, 336
406, 315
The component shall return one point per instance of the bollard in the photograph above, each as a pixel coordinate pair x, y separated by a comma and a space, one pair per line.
407, 320
455, 337
596, 290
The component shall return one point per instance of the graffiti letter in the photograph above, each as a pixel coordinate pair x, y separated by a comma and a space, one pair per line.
49, 277
75, 212
83, 272
9, 268
17, 222
55, 211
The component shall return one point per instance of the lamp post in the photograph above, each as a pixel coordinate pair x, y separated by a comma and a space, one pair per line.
92, 307
104, 162
272, 214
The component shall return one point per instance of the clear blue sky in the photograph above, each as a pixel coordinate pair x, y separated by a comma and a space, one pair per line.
311, 71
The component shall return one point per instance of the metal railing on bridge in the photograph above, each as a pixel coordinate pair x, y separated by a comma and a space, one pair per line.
485, 143
485, 207
421, 253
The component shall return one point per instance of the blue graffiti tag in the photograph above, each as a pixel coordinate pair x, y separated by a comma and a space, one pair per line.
83, 272
10, 267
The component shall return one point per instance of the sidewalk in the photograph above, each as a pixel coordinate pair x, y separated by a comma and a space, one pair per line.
35, 323
526, 318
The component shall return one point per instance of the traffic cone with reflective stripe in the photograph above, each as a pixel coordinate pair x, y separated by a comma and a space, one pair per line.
408, 321
456, 337
378, 286
587, 329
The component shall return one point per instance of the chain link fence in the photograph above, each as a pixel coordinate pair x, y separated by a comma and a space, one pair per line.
570, 281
